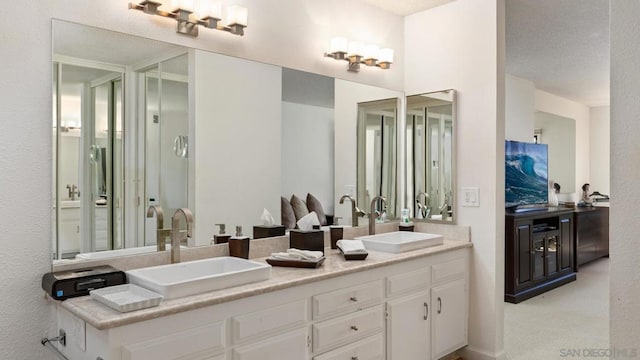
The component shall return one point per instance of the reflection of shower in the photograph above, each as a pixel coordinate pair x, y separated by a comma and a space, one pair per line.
97, 159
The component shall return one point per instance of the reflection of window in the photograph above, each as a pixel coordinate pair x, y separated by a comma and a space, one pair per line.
537, 136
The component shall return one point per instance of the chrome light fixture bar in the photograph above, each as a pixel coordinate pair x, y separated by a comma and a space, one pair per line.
357, 53
188, 25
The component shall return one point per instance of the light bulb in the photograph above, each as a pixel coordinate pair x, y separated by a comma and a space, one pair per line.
371, 52
338, 44
212, 9
186, 5
355, 48
386, 56
237, 15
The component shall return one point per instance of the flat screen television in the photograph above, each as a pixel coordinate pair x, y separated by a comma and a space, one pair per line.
526, 174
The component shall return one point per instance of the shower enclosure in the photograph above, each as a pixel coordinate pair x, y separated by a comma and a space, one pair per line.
87, 168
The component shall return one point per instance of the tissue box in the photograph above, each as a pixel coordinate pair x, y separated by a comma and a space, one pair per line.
307, 240
263, 231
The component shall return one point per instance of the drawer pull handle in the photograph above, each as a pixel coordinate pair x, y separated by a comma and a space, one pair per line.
354, 299
354, 358
354, 328
426, 311
439, 305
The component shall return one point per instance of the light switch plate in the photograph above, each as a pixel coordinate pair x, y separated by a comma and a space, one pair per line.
470, 196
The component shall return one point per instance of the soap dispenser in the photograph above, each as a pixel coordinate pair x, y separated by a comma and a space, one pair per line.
239, 245
221, 237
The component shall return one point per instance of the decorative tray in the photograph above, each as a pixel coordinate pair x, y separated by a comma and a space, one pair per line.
126, 297
296, 263
355, 256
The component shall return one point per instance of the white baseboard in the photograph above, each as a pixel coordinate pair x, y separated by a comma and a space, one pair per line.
473, 353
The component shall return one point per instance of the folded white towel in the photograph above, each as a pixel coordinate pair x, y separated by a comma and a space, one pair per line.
351, 246
297, 254
306, 222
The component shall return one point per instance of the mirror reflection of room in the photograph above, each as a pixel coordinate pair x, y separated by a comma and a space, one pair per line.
377, 157
157, 157
430, 119
559, 133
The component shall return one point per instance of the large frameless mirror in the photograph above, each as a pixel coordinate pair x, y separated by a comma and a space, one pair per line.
430, 156
377, 163
132, 120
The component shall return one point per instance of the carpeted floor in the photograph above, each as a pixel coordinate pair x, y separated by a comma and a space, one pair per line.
563, 323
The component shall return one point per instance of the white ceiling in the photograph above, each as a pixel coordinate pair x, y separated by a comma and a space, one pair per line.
560, 45
405, 7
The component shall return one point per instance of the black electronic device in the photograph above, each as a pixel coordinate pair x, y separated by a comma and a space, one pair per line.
71, 283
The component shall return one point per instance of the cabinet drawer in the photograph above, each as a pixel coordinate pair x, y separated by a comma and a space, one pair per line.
447, 271
291, 345
199, 343
366, 349
267, 320
415, 280
347, 328
347, 300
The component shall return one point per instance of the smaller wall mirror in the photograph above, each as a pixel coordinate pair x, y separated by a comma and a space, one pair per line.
377, 165
560, 134
430, 156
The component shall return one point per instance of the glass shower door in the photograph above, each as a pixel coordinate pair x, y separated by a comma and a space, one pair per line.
166, 138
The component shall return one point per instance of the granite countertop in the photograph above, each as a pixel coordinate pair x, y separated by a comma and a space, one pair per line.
102, 317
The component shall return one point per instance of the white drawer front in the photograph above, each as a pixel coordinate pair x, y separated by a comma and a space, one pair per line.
347, 328
292, 345
347, 300
199, 343
267, 320
412, 281
366, 349
447, 271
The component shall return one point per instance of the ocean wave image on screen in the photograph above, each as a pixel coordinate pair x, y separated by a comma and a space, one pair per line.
526, 175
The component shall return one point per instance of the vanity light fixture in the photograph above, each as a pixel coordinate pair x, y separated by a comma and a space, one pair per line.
357, 53
187, 20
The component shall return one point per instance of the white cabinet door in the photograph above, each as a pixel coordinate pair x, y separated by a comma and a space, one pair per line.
69, 227
449, 302
289, 346
202, 343
408, 330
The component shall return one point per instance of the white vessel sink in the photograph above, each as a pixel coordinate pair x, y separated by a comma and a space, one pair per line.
195, 277
400, 241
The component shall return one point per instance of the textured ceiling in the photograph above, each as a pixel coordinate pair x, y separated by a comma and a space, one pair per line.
405, 7
562, 46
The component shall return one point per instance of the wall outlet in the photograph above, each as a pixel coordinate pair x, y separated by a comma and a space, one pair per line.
471, 196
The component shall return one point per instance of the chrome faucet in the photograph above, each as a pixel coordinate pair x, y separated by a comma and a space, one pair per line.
374, 213
72, 189
355, 212
178, 236
161, 232
424, 208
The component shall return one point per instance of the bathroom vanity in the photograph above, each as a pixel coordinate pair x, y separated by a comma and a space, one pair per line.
412, 305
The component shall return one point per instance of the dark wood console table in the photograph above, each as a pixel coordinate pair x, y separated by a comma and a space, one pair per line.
539, 252
592, 234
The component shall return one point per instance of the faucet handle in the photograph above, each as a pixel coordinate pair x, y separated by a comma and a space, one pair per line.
221, 227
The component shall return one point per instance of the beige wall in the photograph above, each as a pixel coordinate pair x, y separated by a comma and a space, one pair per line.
624, 301
468, 38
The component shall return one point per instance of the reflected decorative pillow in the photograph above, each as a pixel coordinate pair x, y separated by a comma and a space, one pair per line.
299, 207
313, 204
288, 217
